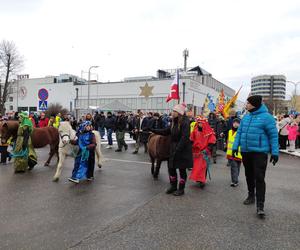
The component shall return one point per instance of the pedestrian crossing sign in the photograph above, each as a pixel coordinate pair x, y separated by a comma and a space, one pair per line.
43, 105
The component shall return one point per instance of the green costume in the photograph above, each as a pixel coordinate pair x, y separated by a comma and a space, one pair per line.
24, 154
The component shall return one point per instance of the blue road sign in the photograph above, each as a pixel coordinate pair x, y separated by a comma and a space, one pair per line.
43, 105
43, 94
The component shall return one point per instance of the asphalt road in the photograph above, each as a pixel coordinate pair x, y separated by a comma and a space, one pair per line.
123, 208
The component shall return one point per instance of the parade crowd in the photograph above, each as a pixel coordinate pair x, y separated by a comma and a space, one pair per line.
194, 142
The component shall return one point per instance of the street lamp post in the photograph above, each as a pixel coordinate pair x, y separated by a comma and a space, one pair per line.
295, 91
89, 79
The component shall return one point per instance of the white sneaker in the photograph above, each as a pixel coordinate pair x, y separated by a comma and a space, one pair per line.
109, 147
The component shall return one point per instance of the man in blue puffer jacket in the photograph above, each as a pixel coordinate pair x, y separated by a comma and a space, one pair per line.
257, 136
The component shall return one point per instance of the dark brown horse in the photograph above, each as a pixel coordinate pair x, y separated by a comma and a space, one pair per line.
159, 150
40, 137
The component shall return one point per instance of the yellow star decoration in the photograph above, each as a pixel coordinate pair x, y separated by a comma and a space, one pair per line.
146, 91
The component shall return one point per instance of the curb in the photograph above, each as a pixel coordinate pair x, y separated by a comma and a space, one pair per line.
296, 154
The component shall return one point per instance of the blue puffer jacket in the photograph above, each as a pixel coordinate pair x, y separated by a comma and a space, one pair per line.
257, 133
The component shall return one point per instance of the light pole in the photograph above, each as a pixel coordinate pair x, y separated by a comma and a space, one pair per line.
89, 79
295, 92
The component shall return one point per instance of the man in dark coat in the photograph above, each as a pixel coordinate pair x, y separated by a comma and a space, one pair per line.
109, 124
156, 122
181, 156
121, 123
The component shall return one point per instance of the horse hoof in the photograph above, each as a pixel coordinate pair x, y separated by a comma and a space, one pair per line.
46, 164
55, 179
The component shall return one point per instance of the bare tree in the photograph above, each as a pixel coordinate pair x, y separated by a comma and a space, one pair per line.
10, 63
55, 108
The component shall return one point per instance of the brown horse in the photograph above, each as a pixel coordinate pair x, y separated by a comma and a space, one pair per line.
40, 137
159, 150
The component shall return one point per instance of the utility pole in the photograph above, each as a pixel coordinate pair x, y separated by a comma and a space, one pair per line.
89, 79
185, 56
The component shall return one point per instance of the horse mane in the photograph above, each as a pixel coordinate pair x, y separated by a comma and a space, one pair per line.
66, 127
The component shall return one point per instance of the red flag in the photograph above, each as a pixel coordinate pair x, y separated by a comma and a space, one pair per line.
174, 91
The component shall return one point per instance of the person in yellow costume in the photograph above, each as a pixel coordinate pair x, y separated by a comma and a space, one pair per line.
234, 160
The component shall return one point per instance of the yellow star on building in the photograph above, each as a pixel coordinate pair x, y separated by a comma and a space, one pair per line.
146, 91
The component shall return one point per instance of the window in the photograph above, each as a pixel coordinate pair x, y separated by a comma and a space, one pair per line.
11, 99
11, 107
32, 109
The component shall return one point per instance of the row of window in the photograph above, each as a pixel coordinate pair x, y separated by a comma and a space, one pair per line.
155, 103
268, 79
268, 84
274, 89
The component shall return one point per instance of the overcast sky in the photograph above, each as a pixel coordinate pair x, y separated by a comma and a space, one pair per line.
233, 39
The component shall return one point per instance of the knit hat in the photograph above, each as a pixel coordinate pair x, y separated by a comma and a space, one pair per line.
255, 100
179, 108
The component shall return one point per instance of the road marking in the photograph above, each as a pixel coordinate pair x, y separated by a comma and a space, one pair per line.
141, 162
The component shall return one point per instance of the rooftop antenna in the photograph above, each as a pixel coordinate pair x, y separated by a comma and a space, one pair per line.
185, 56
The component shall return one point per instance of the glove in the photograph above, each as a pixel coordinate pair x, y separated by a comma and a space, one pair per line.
274, 159
234, 153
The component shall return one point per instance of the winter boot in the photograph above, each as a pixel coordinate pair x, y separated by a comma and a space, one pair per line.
173, 187
260, 210
180, 190
250, 199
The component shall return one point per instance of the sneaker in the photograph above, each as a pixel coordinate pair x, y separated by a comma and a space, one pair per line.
234, 184
90, 178
126, 147
260, 213
73, 180
250, 200
118, 150
109, 147
135, 152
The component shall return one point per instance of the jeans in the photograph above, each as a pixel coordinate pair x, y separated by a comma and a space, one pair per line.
109, 136
102, 132
255, 170
235, 170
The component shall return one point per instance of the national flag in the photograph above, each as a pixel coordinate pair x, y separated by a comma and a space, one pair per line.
174, 90
229, 104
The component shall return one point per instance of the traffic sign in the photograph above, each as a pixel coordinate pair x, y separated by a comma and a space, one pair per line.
43, 105
43, 94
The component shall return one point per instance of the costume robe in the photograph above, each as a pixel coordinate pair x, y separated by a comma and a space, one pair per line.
201, 140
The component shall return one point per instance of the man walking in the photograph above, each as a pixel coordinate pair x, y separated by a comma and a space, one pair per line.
257, 136
121, 123
109, 124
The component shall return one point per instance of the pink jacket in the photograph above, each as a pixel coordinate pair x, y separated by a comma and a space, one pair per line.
293, 131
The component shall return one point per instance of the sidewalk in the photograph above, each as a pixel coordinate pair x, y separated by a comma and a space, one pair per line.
286, 151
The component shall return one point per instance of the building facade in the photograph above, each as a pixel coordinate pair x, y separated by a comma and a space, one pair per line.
272, 87
146, 93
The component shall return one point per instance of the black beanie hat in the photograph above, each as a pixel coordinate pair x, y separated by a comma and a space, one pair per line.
255, 100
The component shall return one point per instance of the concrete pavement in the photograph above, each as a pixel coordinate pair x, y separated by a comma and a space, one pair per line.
125, 209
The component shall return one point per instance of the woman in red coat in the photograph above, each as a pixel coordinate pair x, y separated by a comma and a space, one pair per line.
201, 136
